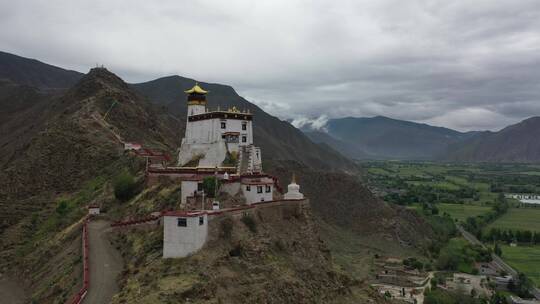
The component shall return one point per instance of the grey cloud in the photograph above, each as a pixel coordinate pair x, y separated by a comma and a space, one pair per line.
461, 64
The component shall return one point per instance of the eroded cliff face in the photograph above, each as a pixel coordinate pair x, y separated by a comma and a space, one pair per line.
259, 258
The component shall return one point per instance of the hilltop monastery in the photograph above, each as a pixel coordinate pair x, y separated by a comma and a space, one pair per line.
218, 147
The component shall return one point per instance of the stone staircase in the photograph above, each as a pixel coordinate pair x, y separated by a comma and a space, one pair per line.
243, 160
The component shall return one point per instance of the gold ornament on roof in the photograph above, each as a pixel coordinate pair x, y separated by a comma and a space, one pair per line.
196, 89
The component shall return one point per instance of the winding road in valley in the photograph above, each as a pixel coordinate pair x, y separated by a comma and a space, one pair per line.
105, 264
496, 259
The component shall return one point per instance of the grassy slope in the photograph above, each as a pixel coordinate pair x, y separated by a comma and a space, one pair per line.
354, 253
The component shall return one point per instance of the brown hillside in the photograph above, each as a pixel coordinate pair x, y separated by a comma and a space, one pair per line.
272, 260
341, 199
69, 142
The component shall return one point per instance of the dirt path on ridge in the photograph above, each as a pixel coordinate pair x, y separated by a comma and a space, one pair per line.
105, 264
11, 291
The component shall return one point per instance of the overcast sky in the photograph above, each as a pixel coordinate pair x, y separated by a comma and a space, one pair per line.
463, 64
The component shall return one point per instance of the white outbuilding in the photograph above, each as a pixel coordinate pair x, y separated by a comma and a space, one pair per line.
183, 233
257, 188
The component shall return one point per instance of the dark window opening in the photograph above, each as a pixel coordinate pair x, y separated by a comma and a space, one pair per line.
248, 188
223, 125
244, 126
201, 220
244, 139
259, 189
182, 222
268, 189
199, 186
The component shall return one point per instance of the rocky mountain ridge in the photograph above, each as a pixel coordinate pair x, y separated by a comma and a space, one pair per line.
379, 138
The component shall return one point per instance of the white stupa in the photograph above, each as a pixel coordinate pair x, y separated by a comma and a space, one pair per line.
293, 190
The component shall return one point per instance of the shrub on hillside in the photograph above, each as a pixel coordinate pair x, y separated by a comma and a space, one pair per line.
62, 208
209, 185
125, 186
250, 223
226, 227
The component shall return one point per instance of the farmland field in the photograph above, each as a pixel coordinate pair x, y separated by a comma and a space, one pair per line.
525, 259
466, 192
462, 211
407, 183
519, 219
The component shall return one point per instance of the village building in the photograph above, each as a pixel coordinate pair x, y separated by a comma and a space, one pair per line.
525, 198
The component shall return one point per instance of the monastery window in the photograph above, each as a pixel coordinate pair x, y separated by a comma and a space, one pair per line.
268, 189
199, 186
223, 125
201, 220
248, 188
259, 189
244, 138
182, 222
244, 126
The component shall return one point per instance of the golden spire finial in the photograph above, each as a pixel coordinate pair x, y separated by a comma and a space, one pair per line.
293, 181
196, 89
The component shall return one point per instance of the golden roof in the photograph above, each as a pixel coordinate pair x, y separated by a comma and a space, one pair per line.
196, 89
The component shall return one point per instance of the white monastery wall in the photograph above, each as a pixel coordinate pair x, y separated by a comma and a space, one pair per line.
230, 188
257, 193
209, 131
255, 159
188, 188
214, 153
196, 109
180, 241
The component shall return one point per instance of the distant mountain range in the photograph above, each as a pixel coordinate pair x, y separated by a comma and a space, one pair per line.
386, 138
516, 143
28, 80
